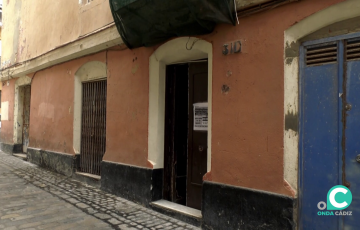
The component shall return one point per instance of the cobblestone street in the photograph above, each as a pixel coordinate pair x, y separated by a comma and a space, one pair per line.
34, 198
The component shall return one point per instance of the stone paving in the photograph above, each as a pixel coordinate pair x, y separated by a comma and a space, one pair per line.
34, 198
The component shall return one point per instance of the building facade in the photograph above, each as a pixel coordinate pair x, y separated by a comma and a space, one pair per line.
248, 126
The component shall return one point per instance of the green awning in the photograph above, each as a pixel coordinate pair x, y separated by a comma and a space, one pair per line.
149, 22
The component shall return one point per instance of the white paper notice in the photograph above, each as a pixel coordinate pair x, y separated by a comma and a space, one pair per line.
201, 116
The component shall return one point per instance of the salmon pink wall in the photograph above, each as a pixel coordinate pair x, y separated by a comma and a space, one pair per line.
7, 127
247, 117
248, 120
128, 106
52, 102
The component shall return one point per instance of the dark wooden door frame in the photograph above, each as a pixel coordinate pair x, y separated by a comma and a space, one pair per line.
175, 77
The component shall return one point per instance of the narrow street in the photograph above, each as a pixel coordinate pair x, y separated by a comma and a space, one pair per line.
34, 198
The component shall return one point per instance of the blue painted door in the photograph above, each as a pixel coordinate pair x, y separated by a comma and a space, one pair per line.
352, 140
329, 131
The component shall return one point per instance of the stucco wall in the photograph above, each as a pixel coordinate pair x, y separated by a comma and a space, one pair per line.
24, 23
128, 106
7, 125
247, 120
52, 105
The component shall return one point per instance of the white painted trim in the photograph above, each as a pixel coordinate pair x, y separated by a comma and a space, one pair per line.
173, 51
4, 111
91, 71
91, 44
18, 108
333, 14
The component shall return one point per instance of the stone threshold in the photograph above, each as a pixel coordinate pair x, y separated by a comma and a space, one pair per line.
21, 156
87, 178
92, 176
180, 212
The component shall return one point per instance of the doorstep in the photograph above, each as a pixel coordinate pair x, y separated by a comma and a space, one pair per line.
180, 212
87, 178
21, 156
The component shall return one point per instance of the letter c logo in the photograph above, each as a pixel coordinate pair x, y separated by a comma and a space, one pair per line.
343, 198
332, 198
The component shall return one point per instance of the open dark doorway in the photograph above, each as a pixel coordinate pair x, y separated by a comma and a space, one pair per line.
25, 92
185, 159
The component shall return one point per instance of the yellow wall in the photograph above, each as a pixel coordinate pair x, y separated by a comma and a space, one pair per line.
32, 28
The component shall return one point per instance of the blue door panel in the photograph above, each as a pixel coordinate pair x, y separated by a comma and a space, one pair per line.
329, 140
320, 146
352, 144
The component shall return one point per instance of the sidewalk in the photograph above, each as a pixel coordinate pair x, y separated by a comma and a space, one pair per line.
34, 198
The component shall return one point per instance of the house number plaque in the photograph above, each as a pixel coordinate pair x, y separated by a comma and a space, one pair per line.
232, 48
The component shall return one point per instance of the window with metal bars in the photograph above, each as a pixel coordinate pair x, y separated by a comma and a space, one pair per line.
93, 126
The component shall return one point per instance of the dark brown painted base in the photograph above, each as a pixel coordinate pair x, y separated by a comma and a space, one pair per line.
229, 207
140, 185
58, 162
11, 148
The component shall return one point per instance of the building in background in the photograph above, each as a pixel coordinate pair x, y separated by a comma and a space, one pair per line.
224, 122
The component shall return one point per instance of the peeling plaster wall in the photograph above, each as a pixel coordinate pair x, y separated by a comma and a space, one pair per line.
65, 21
291, 135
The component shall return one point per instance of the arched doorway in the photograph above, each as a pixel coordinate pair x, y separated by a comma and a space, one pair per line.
89, 137
22, 112
184, 64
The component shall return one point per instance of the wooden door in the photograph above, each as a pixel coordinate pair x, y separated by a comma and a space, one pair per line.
197, 139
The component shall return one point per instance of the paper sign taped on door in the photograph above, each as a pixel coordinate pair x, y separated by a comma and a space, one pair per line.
201, 116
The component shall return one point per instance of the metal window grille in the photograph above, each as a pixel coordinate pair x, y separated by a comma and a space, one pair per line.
93, 126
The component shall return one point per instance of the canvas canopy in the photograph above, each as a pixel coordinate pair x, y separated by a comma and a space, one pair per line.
149, 22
